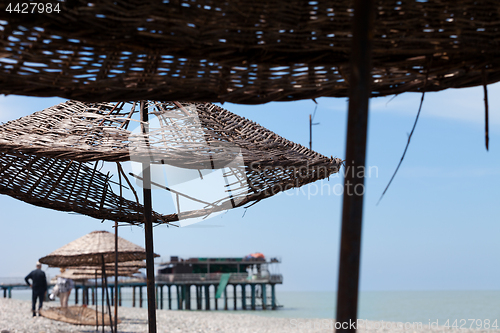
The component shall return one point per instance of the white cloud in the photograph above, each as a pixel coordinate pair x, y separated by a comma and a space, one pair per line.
466, 104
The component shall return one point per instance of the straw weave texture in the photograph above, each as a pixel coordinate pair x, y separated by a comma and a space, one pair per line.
242, 51
91, 248
85, 274
77, 131
67, 186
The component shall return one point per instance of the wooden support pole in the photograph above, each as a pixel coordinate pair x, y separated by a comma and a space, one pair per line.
119, 297
207, 297
264, 296
216, 300
116, 269
96, 303
169, 298
161, 297
105, 285
273, 297
188, 297
140, 296
179, 297
244, 296
156, 297
133, 296
76, 294
357, 124
198, 297
252, 286
225, 298
112, 292
148, 225
102, 300
235, 296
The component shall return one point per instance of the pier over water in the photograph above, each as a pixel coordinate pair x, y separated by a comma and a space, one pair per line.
191, 284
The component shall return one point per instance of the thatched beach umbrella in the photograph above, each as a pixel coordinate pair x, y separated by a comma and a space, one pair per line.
96, 249
46, 157
256, 52
88, 272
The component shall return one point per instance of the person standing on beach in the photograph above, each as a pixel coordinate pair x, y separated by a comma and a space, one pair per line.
38, 286
64, 285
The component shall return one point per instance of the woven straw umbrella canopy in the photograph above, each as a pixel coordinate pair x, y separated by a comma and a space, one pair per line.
88, 272
243, 51
89, 250
255, 52
46, 156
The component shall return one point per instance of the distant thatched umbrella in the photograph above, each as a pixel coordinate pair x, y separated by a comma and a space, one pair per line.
94, 249
87, 273
124, 265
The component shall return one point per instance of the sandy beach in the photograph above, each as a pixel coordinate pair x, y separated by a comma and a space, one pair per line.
15, 317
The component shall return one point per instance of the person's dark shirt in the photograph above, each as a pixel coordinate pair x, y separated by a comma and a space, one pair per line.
38, 278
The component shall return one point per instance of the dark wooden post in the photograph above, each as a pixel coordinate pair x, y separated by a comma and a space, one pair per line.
161, 297
244, 296
273, 297
179, 297
117, 288
207, 297
102, 300
357, 124
264, 296
252, 286
188, 297
235, 296
133, 296
225, 298
148, 225
96, 303
216, 300
105, 285
140, 296
198, 297
156, 296
169, 298
76, 294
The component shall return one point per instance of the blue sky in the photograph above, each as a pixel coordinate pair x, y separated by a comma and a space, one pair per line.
436, 229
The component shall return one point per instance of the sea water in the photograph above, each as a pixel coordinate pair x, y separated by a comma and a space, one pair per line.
396, 306
426, 307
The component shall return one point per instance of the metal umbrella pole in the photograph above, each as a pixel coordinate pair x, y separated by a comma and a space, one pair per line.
148, 226
352, 209
96, 304
105, 281
116, 273
102, 301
